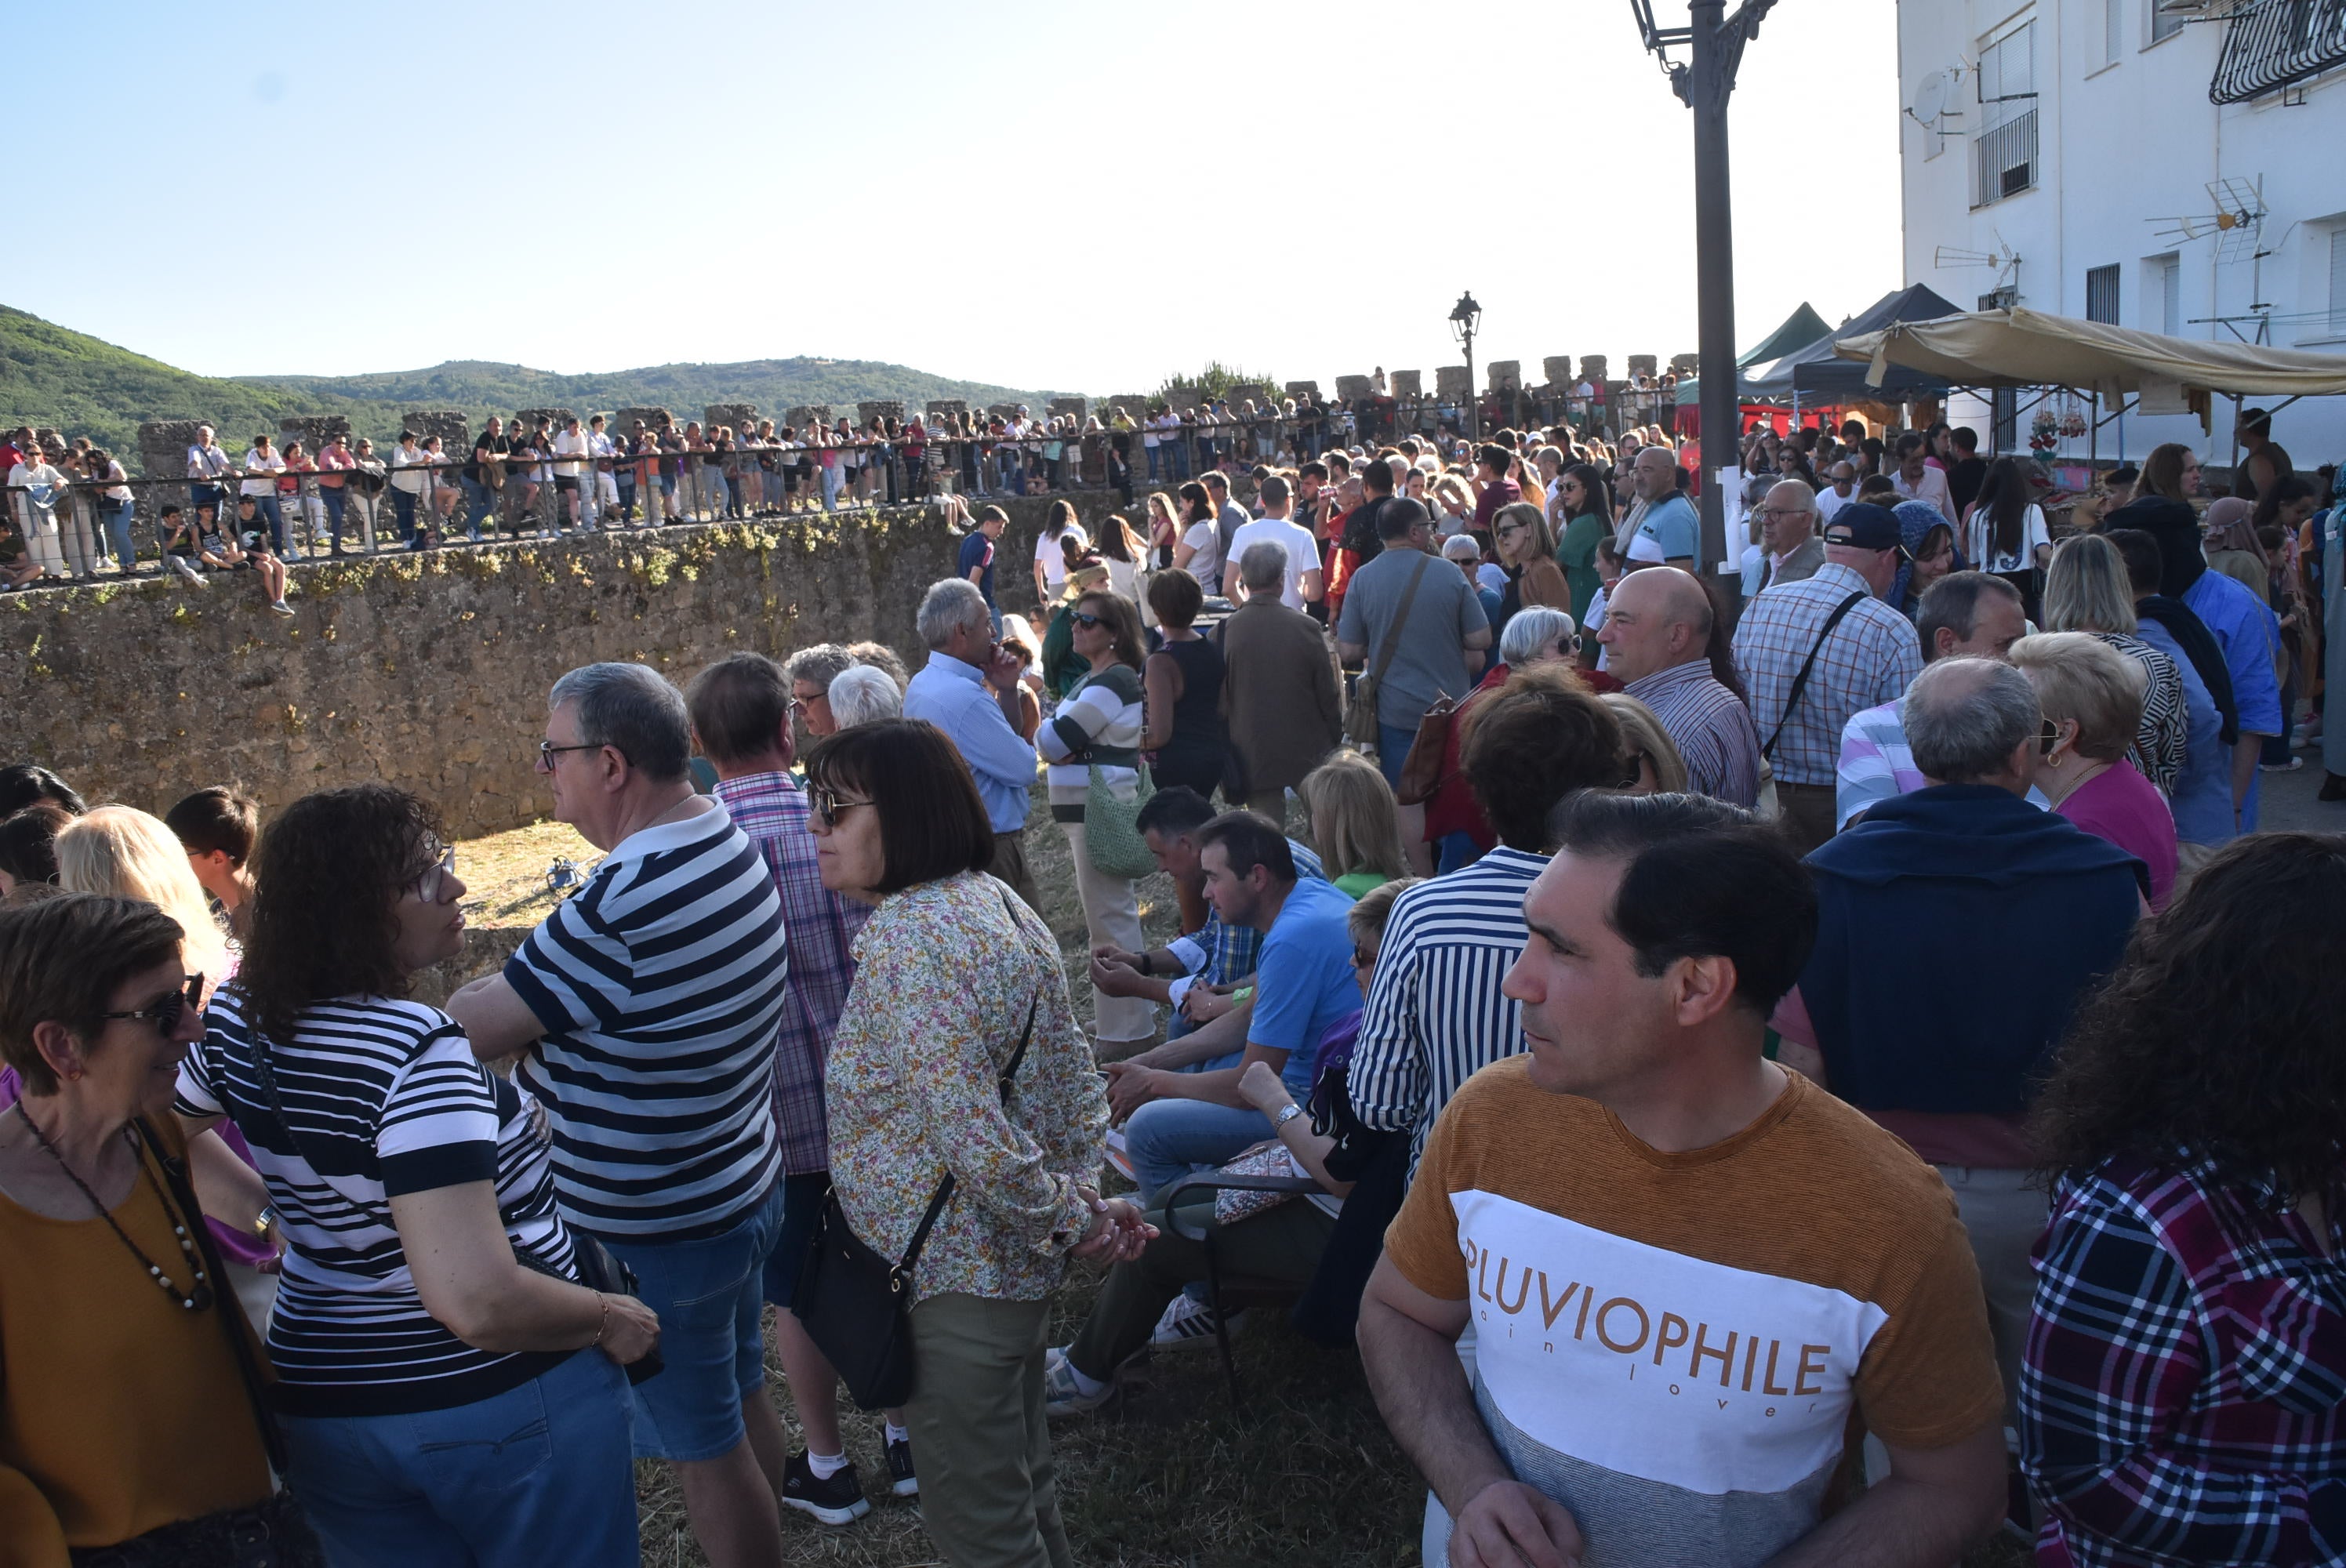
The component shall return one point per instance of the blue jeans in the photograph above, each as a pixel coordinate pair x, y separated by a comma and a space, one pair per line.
478, 503
1169, 1139
539, 1473
1153, 460
116, 516
402, 502
266, 506
1392, 750
1456, 852
338, 502
709, 1295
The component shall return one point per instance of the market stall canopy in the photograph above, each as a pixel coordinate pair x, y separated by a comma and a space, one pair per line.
1802, 326
1817, 375
2025, 348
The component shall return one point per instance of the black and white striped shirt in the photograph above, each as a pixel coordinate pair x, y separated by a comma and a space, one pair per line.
385, 1098
1436, 1016
660, 985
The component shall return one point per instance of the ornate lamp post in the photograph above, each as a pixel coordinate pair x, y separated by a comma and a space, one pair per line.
1465, 320
1714, 43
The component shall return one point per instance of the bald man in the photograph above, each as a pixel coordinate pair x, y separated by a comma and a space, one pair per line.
1657, 638
1788, 528
1666, 530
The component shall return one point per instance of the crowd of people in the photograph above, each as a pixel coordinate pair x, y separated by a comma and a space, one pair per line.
1672, 1037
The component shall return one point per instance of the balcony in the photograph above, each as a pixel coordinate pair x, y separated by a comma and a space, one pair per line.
2270, 44
2003, 158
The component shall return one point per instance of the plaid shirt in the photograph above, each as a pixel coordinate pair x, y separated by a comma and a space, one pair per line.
1871, 657
817, 925
2184, 1398
1220, 954
1710, 728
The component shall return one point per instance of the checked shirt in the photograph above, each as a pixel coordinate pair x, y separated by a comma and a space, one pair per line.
1871, 658
2184, 1397
817, 926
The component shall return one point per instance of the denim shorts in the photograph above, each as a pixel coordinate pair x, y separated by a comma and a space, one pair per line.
709, 1295
803, 1199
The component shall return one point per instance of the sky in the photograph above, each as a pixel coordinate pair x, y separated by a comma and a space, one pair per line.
1084, 196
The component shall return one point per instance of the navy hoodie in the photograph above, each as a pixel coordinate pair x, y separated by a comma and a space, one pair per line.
1956, 929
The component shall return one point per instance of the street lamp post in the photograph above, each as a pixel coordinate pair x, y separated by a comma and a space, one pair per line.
1714, 43
1465, 320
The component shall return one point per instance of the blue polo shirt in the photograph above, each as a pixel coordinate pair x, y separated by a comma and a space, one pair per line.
1304, 979
977, 550
2202, 797
2250, 638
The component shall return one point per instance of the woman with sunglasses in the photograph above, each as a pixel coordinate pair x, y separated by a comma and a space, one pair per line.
958, 987
1099, 725
131, 1413
1582, 515
1526, 553
2092, 699
450, 1394
124, 853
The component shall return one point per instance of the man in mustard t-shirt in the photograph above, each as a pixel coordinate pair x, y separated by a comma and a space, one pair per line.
1696, 1279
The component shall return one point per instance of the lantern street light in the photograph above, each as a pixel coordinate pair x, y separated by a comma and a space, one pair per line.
1703, 82
1465, 320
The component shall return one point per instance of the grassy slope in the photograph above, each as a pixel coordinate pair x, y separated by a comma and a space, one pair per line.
53, 376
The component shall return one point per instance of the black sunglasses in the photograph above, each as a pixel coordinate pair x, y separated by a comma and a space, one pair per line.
168, 1007
1083, 618
824, 806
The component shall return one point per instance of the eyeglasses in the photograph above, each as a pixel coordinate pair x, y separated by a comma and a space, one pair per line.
823, 806
1362, 958
436, 876
1777, 514
1082, 618
547, 751
2047, 738
168, 1008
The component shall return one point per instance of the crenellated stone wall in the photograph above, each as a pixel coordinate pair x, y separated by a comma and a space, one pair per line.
429, 670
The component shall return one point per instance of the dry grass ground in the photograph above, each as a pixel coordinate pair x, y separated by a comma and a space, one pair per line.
1168, 1476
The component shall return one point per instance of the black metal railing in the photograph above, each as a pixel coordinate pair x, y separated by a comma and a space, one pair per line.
2270, 44
2003, 160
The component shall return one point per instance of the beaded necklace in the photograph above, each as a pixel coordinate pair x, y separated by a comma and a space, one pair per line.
198, 1298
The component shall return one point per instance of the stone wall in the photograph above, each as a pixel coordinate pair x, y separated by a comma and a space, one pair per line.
429, 670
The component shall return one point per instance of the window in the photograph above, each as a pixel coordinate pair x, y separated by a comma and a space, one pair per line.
2101, 295
2338, 282
2003, 419
2004, 153
2163, 23
2162, 295
2113, 30
2268, 47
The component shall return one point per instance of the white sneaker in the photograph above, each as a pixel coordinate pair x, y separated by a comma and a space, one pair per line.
1062, 1395
1188, 1325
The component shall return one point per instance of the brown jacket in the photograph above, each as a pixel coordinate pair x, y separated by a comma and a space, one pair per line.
1279, 693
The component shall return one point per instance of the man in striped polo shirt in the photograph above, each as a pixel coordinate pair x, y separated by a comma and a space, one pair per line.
644, 1011
1435, 1015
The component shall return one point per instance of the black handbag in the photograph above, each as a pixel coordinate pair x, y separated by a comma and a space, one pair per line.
856, 1305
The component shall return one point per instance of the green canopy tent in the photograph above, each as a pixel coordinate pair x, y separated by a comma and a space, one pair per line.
1799, 330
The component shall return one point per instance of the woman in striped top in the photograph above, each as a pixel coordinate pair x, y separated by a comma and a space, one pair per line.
1099, 725
432, 1349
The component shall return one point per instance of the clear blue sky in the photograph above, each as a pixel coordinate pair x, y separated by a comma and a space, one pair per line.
955, 187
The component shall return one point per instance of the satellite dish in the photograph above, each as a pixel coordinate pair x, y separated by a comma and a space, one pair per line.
1930, 97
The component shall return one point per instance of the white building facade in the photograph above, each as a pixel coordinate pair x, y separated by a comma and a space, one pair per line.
2177, 166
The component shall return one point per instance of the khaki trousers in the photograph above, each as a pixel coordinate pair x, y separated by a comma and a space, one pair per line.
1009, 864
989, 1493
2004, 1215
1111, 914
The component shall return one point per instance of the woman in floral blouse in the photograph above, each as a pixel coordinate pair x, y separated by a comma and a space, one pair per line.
949, 970
2184, 1395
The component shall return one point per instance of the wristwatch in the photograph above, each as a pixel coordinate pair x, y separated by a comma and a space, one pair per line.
265, 1222
1287, 1114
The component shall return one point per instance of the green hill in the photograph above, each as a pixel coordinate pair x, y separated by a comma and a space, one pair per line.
52, 375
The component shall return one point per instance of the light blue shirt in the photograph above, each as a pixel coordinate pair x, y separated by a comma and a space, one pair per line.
2250, 638
1304, 979
953, 696
2202, 797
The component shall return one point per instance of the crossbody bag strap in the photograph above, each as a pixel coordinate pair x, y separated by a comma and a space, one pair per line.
1392, 635
1800, 681
247, 1364
943, 1195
